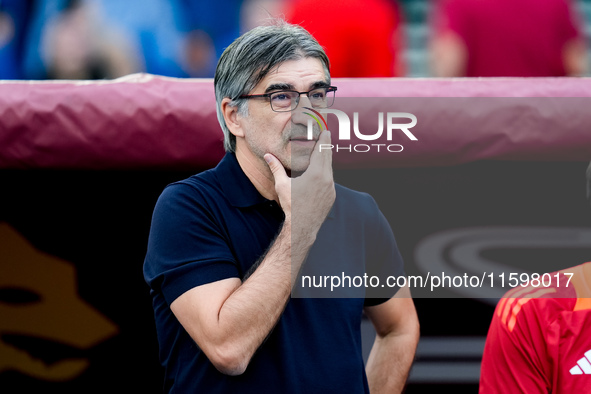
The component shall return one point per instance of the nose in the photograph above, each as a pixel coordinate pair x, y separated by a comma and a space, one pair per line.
298, 115
304, 100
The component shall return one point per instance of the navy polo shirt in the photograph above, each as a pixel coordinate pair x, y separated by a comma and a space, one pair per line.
214, 226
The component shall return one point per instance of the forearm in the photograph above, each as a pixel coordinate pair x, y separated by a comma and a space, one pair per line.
575, 58
448, 56
229, 319
389, 362
249, 314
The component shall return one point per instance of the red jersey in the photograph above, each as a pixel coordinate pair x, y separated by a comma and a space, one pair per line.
510, 38
539, 339
361, 38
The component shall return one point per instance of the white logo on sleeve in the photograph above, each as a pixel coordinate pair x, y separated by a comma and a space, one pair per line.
583, 365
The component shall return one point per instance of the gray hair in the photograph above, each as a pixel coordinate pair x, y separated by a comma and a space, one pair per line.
250, 58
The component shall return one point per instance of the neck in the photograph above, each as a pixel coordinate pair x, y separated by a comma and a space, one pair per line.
258, 172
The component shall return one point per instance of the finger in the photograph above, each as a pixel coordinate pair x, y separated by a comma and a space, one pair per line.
322, 153
279, 174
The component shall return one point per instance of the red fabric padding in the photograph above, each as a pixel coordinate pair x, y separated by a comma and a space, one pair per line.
136, 122
144, 121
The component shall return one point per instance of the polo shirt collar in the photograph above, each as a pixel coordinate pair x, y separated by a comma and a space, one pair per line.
238, 189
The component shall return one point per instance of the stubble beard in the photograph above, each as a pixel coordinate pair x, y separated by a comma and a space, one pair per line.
295, 163
299, 158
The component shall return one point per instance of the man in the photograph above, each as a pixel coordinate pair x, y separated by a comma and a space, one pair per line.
223, 244
539, 339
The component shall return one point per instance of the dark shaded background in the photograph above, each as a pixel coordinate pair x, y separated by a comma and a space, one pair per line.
99, 221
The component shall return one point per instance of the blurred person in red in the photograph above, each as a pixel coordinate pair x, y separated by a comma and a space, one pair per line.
361, 38
539, 339
507, 38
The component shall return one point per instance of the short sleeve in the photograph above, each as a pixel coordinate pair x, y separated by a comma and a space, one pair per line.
449, 16
570, 21
383, 258
514, 353
186, 245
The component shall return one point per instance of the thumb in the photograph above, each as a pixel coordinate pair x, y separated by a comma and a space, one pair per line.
276, 168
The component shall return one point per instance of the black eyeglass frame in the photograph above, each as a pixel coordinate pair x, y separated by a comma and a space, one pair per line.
268, 95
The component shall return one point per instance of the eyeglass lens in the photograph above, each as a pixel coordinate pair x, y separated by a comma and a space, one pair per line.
288, 100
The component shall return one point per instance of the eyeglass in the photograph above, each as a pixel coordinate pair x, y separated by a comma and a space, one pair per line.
288, 100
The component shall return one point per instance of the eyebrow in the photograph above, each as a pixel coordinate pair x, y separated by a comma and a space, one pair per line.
279, 86
319, 84
288, 86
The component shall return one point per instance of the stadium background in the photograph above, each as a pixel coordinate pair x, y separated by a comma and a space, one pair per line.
76, 203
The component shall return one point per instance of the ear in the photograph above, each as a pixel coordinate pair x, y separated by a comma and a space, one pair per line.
232, 118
